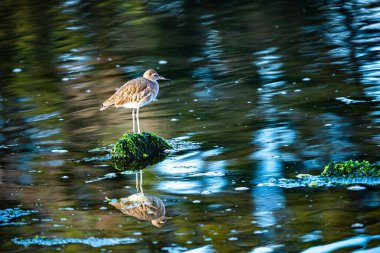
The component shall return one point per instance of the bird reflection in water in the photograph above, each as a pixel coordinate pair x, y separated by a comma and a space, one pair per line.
142, 206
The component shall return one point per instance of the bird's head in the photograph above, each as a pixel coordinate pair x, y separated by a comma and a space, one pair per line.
152, 75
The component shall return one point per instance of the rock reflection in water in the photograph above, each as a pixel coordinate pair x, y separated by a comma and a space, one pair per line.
143, 206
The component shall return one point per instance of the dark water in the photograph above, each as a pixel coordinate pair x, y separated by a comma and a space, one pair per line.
267, 89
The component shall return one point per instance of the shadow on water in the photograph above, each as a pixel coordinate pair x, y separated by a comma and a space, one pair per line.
133, 164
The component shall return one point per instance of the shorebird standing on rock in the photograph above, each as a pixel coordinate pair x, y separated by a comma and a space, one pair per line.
135, 94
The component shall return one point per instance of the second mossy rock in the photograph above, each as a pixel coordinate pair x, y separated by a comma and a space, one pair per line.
142, 146
352, 169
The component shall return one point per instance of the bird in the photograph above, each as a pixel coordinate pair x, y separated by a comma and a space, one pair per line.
134, 94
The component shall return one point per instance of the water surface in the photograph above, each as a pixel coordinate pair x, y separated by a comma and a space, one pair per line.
259, 90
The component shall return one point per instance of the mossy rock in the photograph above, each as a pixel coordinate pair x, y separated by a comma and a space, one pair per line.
351, 169
136, 151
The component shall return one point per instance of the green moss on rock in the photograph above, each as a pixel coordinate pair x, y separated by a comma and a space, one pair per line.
136, 151
351, 169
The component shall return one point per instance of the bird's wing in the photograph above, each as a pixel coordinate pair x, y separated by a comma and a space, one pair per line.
132, 91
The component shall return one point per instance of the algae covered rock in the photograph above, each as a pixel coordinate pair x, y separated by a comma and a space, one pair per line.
136, 151
351, 169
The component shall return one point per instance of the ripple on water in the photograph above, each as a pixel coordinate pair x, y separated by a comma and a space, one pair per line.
180, 144
350, 101
95, 158
106, 176
41, 117
315, 235
91, 241
358, 241
207, 174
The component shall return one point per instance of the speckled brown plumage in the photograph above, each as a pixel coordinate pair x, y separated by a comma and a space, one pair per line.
140, 90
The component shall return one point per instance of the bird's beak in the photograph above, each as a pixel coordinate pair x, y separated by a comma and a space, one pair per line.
163, 78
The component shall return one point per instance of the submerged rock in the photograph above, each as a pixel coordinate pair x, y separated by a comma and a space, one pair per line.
136, 151
351, 169
351, 173
6, 215
311, 181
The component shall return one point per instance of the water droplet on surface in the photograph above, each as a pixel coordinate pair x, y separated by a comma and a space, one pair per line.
60, 151
356, 188
241, 188
17, 70
262, 250
261, 231
357, 225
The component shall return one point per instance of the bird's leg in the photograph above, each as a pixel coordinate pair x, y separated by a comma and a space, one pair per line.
141, 188
133, 120
138, 119
137, 182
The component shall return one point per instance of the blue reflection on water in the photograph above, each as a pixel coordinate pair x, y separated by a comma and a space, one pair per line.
190, 173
